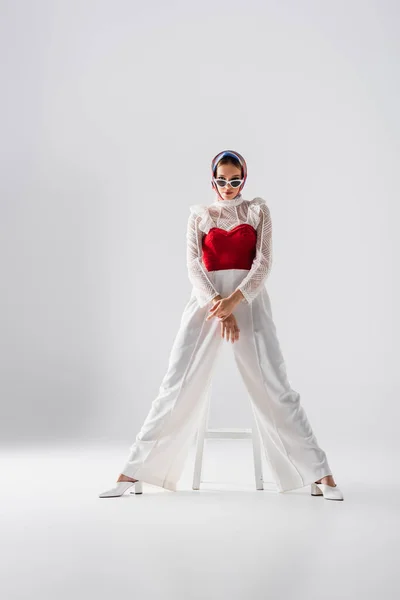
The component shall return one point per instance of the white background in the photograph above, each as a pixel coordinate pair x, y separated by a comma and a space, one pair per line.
111, 114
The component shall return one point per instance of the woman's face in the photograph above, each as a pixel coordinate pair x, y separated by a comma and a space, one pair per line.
228, 172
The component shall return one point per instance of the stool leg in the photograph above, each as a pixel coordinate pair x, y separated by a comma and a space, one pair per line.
201, 434
257, 456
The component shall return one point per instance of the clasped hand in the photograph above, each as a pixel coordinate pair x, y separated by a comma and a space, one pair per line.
223, 310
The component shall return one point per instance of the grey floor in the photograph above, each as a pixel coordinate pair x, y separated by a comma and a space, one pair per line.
226, 541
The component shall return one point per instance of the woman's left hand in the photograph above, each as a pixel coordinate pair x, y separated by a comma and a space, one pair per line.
222, 309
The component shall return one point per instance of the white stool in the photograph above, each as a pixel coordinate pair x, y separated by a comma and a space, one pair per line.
204, 432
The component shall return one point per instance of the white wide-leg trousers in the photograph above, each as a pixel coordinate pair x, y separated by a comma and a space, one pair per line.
161, 447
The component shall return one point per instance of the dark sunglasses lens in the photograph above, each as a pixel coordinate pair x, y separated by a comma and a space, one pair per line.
235, 183
221, 182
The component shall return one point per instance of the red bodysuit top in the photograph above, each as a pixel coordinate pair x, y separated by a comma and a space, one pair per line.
229, 234
233, 249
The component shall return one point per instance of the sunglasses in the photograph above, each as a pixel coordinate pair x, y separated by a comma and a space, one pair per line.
233, 182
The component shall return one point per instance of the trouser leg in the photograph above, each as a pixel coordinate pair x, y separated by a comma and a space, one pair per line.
161, 447
291, 448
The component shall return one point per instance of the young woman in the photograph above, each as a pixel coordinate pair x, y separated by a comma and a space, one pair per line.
229, 256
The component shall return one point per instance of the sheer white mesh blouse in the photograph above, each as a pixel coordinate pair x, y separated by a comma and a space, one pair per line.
226, 215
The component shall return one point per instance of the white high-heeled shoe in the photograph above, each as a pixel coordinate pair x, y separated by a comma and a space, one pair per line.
120, 488
329, 492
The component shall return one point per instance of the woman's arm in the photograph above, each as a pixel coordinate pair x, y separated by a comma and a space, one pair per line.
254, 280
203, 288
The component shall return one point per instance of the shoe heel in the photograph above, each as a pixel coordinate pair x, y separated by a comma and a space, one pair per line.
315, 491
138, 488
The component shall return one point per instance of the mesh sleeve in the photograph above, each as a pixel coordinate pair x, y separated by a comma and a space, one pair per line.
253, 282
203, 288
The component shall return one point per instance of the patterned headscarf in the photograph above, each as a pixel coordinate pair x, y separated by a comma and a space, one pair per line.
215, 161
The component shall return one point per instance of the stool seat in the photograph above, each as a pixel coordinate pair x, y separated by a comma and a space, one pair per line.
204, 432
229, 433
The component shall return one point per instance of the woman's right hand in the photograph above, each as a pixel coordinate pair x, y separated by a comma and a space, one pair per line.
230, 329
